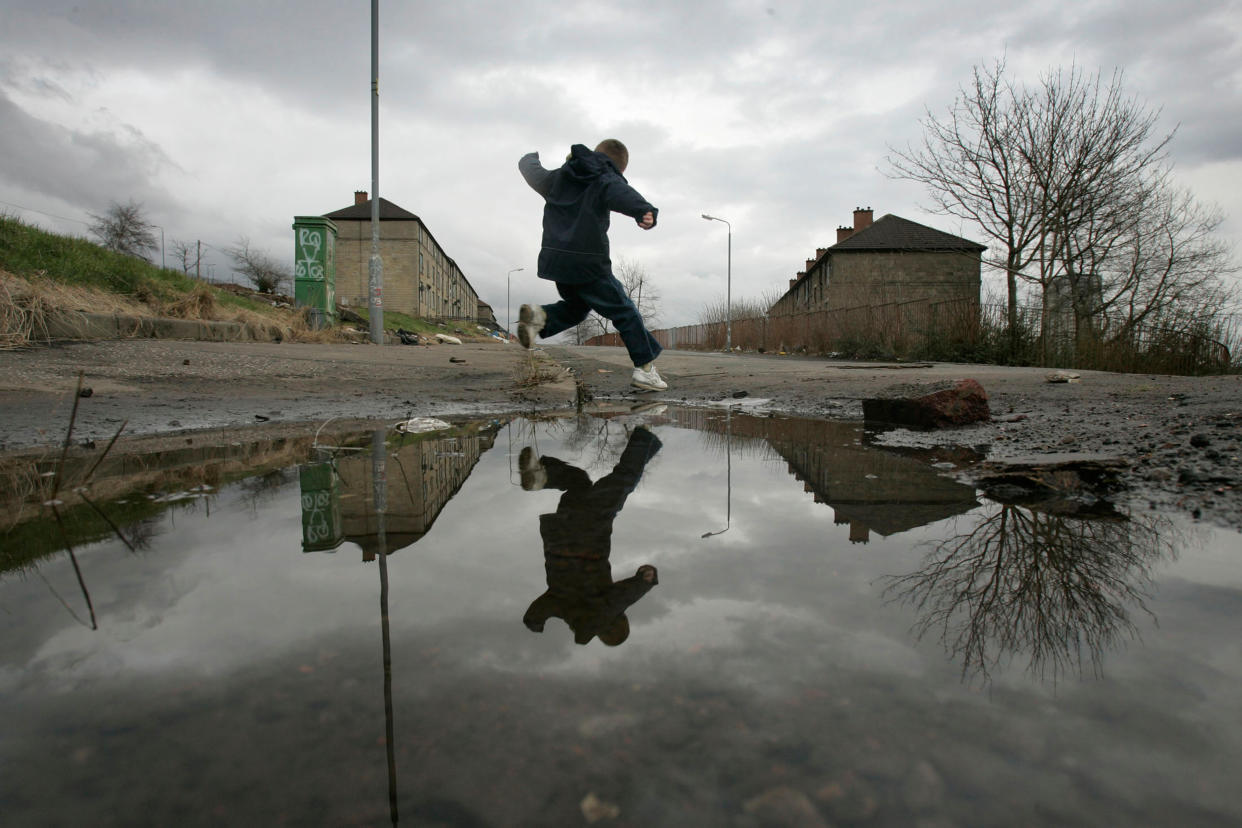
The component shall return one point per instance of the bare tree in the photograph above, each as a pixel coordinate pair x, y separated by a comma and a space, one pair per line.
1070, 180
972, 165
646, 297
125, 229
263, 271
186, 255
594, 325
1096, 163
751, 307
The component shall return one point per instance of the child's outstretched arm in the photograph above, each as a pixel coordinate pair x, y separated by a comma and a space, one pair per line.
534, 173
622, 198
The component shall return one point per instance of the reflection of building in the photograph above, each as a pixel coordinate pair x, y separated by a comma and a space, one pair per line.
422, 476
869, 489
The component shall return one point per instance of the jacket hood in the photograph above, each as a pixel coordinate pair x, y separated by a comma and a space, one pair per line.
585, 164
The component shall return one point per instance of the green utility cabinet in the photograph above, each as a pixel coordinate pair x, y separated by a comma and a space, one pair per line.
314, 270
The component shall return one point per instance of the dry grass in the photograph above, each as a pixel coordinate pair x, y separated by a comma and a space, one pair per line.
538, 370
26, 304
199, 303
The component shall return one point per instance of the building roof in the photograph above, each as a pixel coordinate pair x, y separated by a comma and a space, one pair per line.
895, 233
362, 212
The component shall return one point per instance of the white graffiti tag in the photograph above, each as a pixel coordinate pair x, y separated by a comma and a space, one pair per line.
310, 242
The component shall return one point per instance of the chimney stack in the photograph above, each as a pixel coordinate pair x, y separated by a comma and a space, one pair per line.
792, 282
820, 251
862, 218
810, 263
360, 197
844, 233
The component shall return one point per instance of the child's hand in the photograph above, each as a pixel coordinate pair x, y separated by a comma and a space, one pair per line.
647, 221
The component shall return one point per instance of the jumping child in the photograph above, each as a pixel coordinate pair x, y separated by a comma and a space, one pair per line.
578, 199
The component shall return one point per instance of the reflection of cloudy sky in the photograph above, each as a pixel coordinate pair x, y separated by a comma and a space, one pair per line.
224, 619
230, 118
214, 594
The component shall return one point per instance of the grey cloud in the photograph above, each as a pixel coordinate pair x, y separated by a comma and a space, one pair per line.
86, 169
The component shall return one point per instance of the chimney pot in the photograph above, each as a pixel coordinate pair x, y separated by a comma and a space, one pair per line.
360, 197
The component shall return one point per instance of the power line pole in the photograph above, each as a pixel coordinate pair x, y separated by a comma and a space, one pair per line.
376, 268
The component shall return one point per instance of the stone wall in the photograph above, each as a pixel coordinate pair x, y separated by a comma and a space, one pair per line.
881, 277
399, 243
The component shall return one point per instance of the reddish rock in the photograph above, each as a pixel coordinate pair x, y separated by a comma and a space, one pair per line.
964, 403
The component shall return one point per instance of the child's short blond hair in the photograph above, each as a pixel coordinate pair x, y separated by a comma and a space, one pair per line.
615, 150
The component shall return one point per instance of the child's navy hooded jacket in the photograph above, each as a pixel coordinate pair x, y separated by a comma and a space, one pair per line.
578, 198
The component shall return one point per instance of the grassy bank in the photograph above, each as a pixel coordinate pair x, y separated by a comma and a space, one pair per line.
43, 273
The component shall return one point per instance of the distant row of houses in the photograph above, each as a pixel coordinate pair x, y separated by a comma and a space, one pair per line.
420, 278
889, 261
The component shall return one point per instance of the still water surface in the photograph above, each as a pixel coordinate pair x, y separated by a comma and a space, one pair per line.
691, 619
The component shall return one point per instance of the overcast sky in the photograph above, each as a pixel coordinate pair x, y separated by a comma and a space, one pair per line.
229, 118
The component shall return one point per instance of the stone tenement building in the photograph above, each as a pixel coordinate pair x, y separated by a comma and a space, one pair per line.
890, 261
419, 277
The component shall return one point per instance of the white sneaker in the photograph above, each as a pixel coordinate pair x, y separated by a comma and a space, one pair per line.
648, 378
531, 319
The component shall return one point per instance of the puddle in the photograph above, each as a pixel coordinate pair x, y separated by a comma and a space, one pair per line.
691, 617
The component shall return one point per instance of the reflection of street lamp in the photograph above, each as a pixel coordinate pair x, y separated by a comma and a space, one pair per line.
508, 302
728, 474
728, 286
379, 483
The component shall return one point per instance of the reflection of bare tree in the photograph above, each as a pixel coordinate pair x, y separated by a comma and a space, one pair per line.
261, 488
1058, 588
141, 533
600, 440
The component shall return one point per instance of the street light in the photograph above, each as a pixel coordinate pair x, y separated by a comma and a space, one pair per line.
728, 286
509, 303
163, 263
375, 265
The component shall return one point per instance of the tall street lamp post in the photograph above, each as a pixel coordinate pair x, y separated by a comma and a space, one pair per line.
728, 286
163, 263
375, 266
508, 302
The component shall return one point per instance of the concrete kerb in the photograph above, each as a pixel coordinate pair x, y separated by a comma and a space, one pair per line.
80, 325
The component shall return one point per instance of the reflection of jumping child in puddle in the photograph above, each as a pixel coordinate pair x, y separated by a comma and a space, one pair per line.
577, 539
